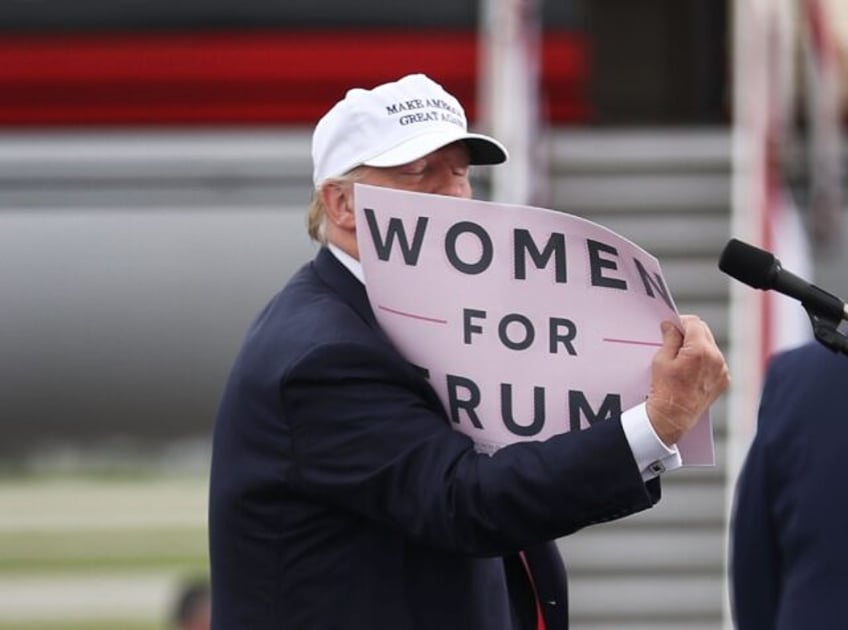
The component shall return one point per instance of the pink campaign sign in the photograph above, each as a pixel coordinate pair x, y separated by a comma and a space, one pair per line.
530, 322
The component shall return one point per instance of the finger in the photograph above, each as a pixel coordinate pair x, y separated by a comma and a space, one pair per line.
696, 333
694, 320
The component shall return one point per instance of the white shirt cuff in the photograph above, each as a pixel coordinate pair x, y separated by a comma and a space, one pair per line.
651, 454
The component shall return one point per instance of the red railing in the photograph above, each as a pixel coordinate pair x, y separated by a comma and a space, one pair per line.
268, 77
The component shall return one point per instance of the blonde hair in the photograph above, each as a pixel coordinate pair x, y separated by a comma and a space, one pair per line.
316, 216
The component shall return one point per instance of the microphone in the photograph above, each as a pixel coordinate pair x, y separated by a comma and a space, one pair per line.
761, 270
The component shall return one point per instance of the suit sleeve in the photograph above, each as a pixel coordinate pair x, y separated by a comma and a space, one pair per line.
755, 558
367, 441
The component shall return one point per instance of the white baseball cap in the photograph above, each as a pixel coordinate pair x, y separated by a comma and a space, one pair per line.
393, 124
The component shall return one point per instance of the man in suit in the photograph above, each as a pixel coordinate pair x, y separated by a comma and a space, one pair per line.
790, 526
340, 496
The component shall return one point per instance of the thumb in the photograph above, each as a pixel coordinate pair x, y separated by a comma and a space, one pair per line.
672, 340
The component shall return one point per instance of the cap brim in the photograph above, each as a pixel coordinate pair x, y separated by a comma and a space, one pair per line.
481, 149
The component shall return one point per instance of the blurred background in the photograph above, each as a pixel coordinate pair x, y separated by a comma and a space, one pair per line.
154, 176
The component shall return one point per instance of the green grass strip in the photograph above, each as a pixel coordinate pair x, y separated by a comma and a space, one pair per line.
91, 624
182, 548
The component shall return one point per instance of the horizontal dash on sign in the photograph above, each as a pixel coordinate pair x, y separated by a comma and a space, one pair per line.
423, 318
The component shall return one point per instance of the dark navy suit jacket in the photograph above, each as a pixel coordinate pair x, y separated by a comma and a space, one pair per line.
340, 496
790, 528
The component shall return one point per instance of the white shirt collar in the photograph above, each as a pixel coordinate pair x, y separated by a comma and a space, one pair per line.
353, 265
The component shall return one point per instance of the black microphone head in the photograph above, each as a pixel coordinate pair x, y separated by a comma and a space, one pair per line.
751, 265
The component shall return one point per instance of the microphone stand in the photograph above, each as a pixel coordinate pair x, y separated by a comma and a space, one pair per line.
826, 331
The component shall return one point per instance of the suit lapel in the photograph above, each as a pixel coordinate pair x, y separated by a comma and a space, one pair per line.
343, 282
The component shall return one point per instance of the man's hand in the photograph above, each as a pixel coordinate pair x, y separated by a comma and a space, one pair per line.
687, 374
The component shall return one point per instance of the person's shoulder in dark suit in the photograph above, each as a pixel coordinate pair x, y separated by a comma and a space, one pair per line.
308, 312
789, 549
